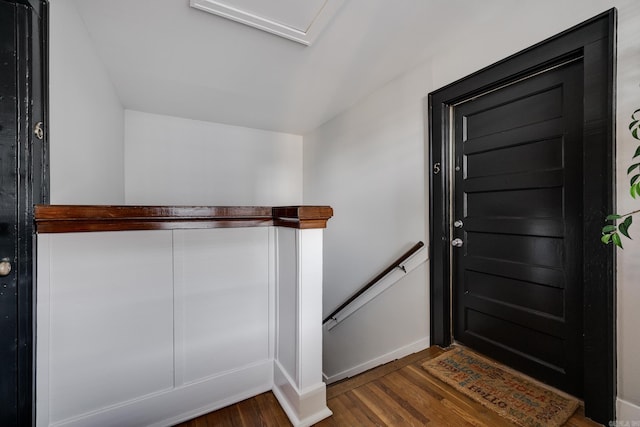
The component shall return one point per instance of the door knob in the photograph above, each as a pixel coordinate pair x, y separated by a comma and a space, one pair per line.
5, 267
457, 243
458, 224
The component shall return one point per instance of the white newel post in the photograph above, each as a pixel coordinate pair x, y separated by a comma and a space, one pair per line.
298, 383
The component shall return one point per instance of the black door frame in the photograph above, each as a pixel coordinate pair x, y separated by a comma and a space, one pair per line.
594, 40
28, 92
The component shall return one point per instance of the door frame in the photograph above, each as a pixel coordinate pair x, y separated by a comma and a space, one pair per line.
17, 402
594, 40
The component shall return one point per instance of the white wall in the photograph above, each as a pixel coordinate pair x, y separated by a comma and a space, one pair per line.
629, 258
87, 119
368, 164
369, 158
174, 161
167, 160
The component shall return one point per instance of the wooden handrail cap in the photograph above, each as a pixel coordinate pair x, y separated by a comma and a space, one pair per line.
89, 218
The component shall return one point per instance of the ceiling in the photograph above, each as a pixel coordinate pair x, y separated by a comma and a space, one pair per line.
300, 21
165, 57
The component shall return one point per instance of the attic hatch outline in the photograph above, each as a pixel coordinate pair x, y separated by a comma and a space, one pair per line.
314, 27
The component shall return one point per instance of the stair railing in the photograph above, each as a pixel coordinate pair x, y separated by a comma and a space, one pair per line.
399, 263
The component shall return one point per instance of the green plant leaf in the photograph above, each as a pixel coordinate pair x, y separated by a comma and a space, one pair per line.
624, 227
623, 230
611, 232
615, 238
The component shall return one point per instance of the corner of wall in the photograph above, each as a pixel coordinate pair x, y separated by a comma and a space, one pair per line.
627, 412
87, 116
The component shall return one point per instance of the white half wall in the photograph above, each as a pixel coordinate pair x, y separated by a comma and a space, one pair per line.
151, 328
175, 161
87, 119
368, 164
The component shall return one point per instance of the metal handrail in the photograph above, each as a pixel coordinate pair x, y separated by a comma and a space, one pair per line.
396, 264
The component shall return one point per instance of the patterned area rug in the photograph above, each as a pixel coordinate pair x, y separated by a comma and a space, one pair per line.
512, 396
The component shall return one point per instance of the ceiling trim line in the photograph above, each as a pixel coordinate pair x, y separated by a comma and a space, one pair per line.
307, 37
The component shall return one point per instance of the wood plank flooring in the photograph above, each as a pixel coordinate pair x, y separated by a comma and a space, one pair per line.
399, 393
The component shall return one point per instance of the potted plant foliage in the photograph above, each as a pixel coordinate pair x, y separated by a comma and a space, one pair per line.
619, 224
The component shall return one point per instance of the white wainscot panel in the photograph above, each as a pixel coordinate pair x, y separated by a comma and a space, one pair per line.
222, 293
287, 316
110, 320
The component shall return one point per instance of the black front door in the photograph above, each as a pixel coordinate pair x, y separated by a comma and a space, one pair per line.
23, 177
518, 257
517, 251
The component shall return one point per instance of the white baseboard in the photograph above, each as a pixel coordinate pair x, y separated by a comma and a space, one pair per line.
627, 411
188, 401
408, 349
304, 408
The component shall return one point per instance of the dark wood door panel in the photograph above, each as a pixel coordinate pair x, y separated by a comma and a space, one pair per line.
516, 338
529, 250
520, 348
515, 204
514, 181
549, 226
528, 134
526, 102
521, 315
531, 273
510, 111
513, 292
517, 282
528, 156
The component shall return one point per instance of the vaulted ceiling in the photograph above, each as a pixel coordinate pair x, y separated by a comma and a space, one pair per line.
166, 57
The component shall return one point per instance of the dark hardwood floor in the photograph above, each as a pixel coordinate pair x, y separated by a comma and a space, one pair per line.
399, 393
